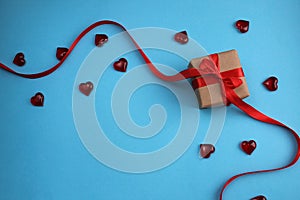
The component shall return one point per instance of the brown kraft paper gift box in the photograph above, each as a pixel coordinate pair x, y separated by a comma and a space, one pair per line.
211, 94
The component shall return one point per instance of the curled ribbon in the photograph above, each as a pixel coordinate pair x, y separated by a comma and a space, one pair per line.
229, 82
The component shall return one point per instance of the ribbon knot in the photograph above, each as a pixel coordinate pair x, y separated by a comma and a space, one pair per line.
232, 82
210, 74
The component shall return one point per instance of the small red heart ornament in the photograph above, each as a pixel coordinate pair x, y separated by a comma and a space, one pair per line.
100, 39
37, 99
206, 150
121, 65
271, 83
61, 52
86, 88
181, 37
19, 59
248, 146
260, 197
242, 26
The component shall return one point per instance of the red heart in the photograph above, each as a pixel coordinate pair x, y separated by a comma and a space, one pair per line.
100, 39
242, 26
19, 59
86, 88
271, 83
248, 146
121, 65
181, 37
61, 52
206, 150
260, 197
37, 99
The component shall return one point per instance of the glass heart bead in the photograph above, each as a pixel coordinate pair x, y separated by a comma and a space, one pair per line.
242, 26
61, 52
206, 150
86, 88
260, 197
100, 39
121, 65
19, 59
271, 83
248, 146
181, 37
37, 99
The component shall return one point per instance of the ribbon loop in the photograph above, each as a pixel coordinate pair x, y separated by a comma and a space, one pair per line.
208, 67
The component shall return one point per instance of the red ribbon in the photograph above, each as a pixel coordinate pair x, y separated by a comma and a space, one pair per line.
233, 75
180, 76
210, 70
252, 112
188, 73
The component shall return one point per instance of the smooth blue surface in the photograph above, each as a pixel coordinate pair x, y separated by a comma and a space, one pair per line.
41, 155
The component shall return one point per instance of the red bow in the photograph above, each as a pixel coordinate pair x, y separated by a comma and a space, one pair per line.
210, 74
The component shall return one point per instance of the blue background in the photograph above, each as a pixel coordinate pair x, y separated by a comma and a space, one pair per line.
41, 155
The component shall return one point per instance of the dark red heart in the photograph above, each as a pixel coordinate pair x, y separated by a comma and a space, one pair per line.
271, 83
100, 39
37, 99
181, 37
61, 52
19, 59
121, 65
260, 197
242, 26
206, 150
86, 88
248, 146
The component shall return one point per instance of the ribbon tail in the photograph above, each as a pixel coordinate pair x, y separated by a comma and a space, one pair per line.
188, 73
252, 112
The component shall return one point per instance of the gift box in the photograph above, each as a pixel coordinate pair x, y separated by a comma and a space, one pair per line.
219, 72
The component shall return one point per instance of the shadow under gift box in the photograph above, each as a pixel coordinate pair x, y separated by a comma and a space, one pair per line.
211, 94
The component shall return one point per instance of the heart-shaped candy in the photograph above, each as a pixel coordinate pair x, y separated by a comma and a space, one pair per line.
206, 150
61, 52
260, 197
121, 65
37, 99
86, 88
19, 59
248, 146
242, 26
271, 83
181, 37
100, 39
